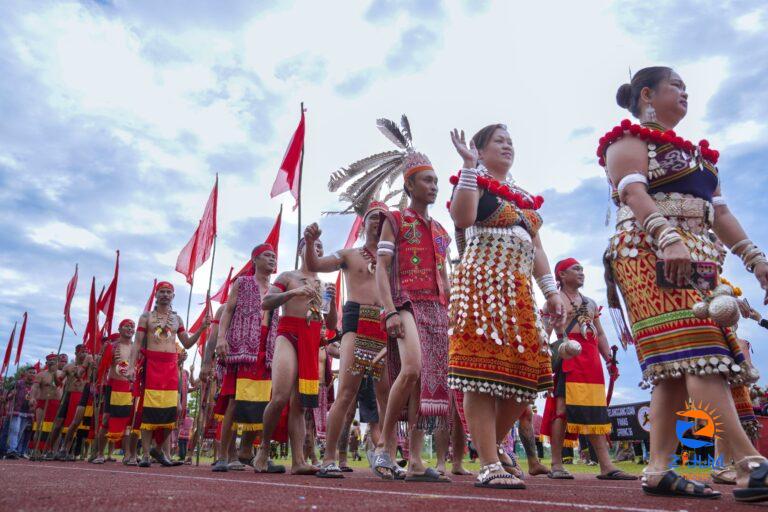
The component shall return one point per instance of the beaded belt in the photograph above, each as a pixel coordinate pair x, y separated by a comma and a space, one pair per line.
674, 205
514, 231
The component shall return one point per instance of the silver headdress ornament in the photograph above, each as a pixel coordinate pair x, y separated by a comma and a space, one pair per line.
369, 175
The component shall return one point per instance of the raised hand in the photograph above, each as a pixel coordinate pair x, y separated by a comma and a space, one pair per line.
468, 153
312, 233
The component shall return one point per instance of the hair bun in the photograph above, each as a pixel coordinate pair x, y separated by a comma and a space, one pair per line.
624, 95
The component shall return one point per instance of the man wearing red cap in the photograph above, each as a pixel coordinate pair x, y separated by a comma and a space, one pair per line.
118, 398
578, 403
363, 337
241, 342
156, 341
76, 375
47, 394
413, 286
295, 371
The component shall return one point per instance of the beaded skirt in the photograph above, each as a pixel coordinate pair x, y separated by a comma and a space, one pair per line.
496, 333
670, 340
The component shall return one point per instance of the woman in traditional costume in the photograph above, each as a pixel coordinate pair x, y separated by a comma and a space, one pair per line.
668, 194
498, 354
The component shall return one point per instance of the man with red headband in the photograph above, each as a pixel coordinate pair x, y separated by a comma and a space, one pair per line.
118, 398
47, 396
306, 303
363, 337
76, 379
578, 403
413, 286
241, 343
156, 341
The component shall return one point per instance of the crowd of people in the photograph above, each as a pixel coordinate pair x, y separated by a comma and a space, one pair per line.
426, 345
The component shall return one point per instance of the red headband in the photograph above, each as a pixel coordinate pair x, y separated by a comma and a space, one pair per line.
126, 322
259, 249
51, 357
375, 206
165, 284
564, 265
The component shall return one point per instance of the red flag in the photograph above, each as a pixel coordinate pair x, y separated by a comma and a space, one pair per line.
37, 366
70, 294
148, 306
198, 249
198, 323
290, 170
273, 238
106, 303
223, 294
105, 363
8, 350
91, 337
21, 339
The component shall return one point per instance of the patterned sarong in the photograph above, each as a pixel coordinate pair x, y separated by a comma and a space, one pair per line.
745, 411
72, 403
161, 390
119, 408
432, 323
370, 339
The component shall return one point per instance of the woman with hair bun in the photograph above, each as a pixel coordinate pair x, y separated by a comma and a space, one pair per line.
498, 352
668, 193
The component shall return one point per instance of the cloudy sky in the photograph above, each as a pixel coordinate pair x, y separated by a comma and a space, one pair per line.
117, 115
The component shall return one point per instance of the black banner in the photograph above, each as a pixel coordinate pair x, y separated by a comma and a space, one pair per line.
630, 422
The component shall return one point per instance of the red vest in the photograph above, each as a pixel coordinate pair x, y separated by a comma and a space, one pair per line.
421, 248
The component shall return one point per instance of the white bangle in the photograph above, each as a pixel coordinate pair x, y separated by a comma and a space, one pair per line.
718, 201
629, 179
467, 180
385, 248
547, 284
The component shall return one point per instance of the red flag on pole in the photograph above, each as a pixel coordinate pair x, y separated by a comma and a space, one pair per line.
288, 176
198, 249
198, 323
8, 350
106, 303
21, 339
148, 306
273, 238
71, 287
91, 335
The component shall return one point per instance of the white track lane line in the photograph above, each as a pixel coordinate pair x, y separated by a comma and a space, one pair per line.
304, 487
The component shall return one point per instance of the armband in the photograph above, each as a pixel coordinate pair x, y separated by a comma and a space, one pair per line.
629, 179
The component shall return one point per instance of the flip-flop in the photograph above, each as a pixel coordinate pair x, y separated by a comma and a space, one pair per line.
560, 474
400, 473
272, 468
330, 470
616, 474
429, 476
346, 469
725, 476
382, 461
236, 466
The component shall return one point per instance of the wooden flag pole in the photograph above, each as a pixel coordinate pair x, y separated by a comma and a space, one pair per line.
301, 175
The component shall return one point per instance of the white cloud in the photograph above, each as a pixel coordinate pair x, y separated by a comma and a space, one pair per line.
58, 235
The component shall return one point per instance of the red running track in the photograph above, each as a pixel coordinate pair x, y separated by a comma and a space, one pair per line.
37, 486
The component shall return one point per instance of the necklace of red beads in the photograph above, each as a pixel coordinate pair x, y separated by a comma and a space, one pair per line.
656, 136
505, 191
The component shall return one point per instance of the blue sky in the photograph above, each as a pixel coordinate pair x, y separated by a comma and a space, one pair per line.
118, 114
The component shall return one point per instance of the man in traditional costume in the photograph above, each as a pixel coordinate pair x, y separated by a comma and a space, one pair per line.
241, 342
118, 392
578, 405
363, 337
413, 287
47, 396
156, 340
294, 363
76, 374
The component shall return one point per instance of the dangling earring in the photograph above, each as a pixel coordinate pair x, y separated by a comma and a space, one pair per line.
650, 113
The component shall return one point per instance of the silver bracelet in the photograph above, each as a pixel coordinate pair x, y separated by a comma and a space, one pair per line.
385, 248
547, 285
738, 245
467, 180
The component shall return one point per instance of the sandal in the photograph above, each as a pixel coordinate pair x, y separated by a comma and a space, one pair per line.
490, 474
330, 470
430, 475
236, 465
725, 475
346, 469
272, 468
756, 490
674, 485
559, 474
383, 467
616, 474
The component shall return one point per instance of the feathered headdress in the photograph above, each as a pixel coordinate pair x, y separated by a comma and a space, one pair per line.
371, 173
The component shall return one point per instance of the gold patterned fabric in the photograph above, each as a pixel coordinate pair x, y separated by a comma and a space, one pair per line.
496, 333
